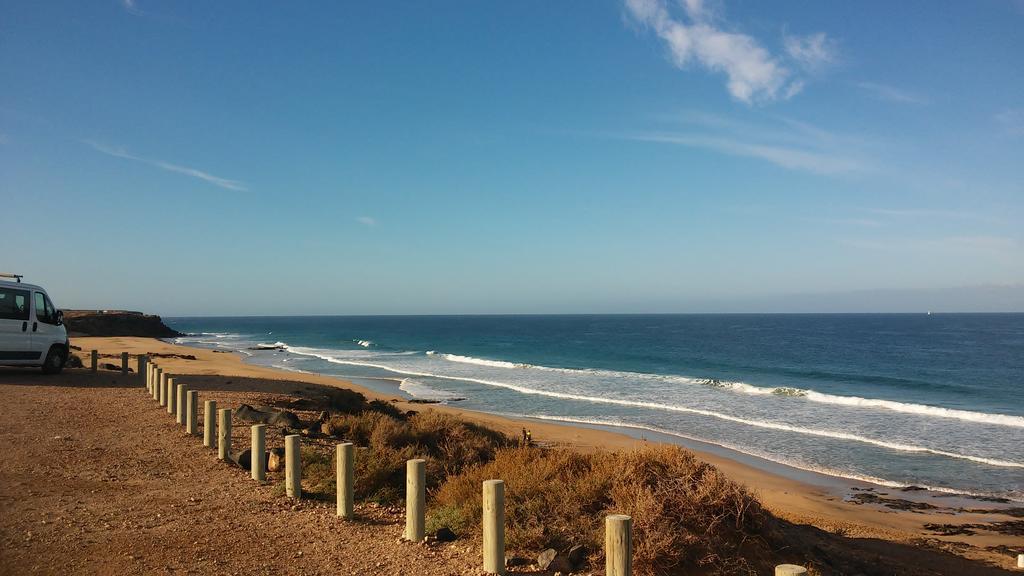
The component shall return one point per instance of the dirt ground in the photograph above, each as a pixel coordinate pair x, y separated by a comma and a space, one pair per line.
96, 478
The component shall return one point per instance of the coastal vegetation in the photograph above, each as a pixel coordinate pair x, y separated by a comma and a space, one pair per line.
687, 514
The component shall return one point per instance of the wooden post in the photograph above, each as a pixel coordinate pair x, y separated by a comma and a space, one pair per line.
618, 545
1020, 561
172, 401
192, 413
209, 424
494, 526
93, 360
154, 383
346, 480
257, 451
161, 385
179, 415
143, 361
415, 498
224, 433
149, 378
292, 466
124, 363
790, 570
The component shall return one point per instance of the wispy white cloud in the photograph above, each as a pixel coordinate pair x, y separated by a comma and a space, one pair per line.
792, 158
813, 52
861, 222
928, 213
890, 93
787, 143
981, 245
694, 35
163, 165
1012, 121
367, 220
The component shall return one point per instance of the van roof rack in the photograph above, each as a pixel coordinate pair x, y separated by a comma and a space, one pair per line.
17, 277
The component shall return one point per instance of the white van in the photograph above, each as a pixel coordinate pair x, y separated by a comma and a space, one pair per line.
32, 330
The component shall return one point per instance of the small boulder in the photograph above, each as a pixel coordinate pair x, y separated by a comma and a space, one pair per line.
445, 534
545, 558
577, 555
275, 462
552, 560
514, 561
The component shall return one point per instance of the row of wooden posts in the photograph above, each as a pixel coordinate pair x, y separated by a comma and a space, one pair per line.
182, 403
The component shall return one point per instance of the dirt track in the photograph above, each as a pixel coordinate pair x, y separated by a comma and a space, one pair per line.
97, 479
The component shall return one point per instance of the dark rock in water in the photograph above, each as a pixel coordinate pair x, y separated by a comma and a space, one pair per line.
514, 561
445, 534
423, 401
267, 347
912, 488
577, 555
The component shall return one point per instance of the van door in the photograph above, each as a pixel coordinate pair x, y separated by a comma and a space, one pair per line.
15, 332
44, 324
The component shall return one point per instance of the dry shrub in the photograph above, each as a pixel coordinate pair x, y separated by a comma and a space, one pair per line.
686, 514
448, 444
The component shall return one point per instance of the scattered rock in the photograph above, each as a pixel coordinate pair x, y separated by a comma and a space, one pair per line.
275, 461
445, 534
272, 417
577, 555
514, 561
551, 559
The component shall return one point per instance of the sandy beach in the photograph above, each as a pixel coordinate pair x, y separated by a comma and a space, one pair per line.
909, 538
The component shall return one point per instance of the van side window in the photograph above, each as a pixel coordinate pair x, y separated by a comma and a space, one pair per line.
44, 310
13, 304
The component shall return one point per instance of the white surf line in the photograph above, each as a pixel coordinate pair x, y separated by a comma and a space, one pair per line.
763, 456
744, 388
684, 409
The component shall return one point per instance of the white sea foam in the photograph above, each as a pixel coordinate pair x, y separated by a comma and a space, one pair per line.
763, 455
744, 388
364, 343
418, 389
676, 408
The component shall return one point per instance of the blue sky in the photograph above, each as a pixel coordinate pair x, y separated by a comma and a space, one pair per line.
534, 156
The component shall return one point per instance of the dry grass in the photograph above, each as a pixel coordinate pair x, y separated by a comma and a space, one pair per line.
448, 444
686, 514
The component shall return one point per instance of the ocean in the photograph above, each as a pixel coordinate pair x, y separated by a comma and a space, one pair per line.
935, 401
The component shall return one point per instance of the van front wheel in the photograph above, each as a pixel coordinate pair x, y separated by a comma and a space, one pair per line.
54, 362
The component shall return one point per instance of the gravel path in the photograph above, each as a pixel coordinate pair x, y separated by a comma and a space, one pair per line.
97, 479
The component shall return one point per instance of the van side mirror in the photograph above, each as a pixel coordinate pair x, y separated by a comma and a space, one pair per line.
60, 317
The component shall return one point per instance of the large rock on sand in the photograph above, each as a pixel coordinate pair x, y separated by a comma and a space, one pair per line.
282, 418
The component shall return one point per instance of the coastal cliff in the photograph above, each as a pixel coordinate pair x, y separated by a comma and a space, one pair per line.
116, 323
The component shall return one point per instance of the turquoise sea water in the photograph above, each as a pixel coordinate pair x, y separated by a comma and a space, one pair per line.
934, 401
